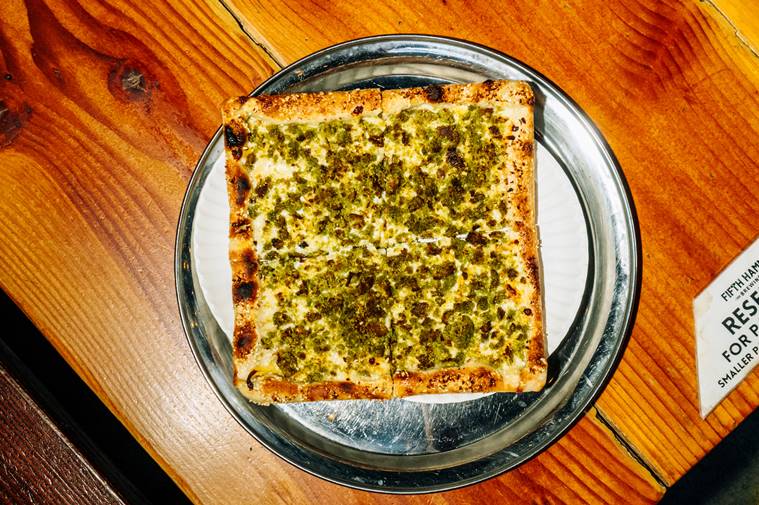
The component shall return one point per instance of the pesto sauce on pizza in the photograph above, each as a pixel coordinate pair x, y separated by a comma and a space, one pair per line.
312, 185
458, 302
453, 173
326, 317
384, 243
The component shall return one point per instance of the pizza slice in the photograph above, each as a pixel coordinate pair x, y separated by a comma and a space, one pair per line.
467, 316
463, 156
301, 170
301, 208
316, 329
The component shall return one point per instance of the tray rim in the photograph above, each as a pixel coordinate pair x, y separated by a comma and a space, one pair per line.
612, 356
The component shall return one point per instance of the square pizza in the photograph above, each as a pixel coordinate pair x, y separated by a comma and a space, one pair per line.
383, 243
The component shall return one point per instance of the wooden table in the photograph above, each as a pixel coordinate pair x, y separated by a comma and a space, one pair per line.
105, 106
38, 462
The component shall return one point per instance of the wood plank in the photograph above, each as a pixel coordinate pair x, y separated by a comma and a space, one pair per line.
98, 158
674, 90
743, 17
38, 464
698, 222
107, 107
79, 414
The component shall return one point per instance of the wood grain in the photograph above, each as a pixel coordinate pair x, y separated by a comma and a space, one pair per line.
38, 464
107, 110
674, 90
743, 17
106, 107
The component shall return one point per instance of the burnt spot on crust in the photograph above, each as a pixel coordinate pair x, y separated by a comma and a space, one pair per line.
242, 100
235, 137
358, 110
250, 263
240, 228
269, 102
244, 291
250, 381
242, 187
487, 90
523, 94
527, 148
245, 337
346, 387
532, 268
434, 93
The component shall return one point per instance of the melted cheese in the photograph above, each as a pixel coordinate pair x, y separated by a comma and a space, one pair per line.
383, 228
275, 168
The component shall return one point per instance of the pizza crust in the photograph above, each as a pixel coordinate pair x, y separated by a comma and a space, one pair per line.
304, 107
516, 99
275, 389
489, 93
532, 376
467, 379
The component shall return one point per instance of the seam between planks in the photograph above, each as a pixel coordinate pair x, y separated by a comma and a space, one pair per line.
742, 39
629, 448
247, 33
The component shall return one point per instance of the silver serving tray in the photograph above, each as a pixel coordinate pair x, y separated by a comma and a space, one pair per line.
400, 446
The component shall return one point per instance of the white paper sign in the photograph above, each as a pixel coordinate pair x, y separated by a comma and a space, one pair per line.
727, 328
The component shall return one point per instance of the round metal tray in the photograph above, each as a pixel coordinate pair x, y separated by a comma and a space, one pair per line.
409, 447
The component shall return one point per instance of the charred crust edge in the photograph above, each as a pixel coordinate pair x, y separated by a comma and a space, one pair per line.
235, 137
242, 187
434, 93
249, 264
478, 380
240, 227
278, 390
245, 338
244, 290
